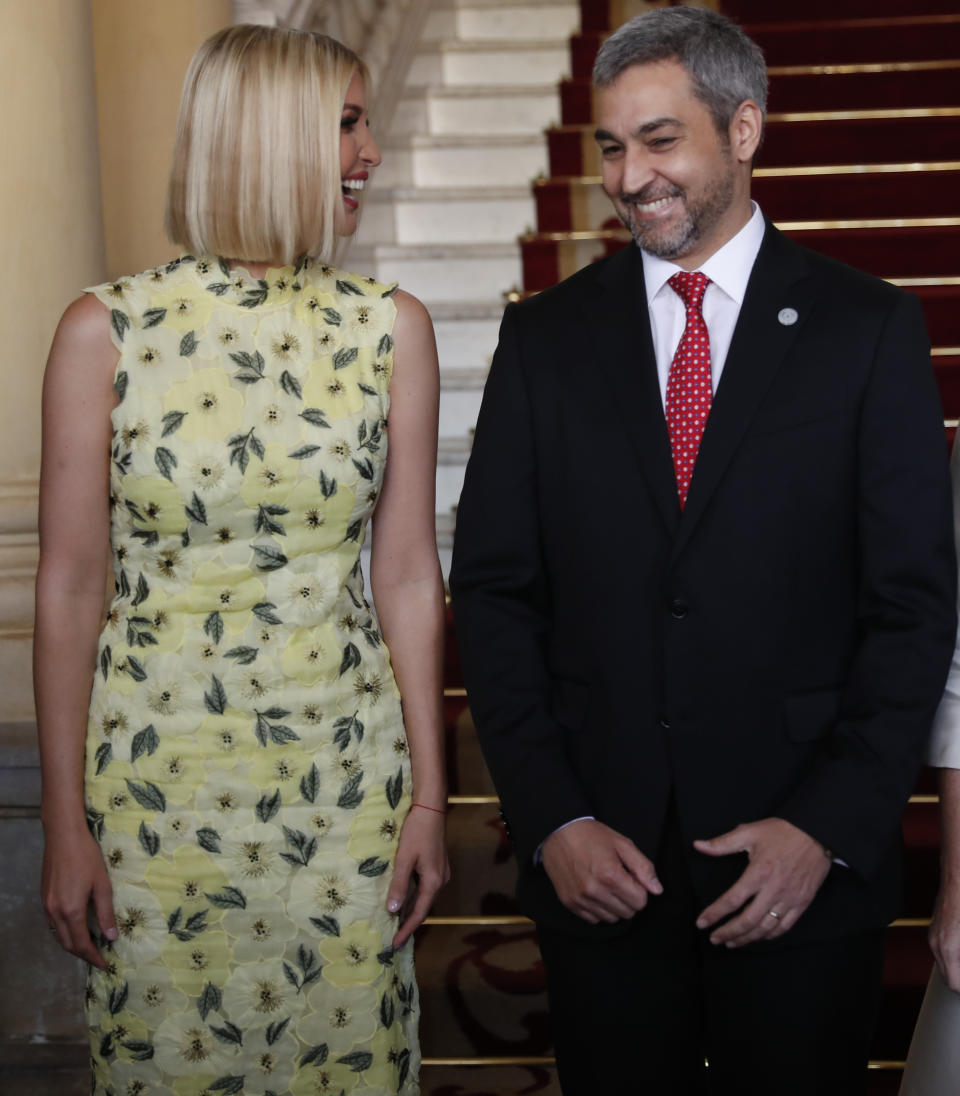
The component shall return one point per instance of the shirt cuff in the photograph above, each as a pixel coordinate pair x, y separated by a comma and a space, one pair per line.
538, 851
943, 750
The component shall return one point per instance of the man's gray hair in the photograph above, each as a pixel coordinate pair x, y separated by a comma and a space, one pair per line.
725, 66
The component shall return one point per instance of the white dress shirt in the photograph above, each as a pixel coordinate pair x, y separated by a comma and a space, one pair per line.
943, 752
729, 271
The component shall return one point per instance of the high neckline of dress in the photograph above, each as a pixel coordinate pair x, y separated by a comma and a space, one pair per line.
235, 284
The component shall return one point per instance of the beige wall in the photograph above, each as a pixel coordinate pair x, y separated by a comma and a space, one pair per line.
142, 49
52, 223
49, 200
52, 229
90, 93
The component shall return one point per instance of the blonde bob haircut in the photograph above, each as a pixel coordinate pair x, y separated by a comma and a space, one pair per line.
256, 159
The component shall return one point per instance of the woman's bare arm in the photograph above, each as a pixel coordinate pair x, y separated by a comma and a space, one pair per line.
408, 593
74, 547
945, 927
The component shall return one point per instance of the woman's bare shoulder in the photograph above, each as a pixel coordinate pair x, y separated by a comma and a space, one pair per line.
85, 326
82, 343
86, 318
413, 332
412, 314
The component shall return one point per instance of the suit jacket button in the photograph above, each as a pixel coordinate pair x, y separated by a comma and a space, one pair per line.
678, 609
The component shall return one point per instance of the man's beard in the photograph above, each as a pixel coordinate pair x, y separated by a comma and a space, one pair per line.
678, 237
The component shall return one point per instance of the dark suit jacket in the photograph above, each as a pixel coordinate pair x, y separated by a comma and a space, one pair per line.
779, 648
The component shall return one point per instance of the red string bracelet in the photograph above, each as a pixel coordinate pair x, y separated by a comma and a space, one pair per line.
436, 810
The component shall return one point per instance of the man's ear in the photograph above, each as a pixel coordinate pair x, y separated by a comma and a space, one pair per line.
746, 129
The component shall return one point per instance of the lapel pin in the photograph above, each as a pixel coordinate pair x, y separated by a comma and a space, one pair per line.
788, 316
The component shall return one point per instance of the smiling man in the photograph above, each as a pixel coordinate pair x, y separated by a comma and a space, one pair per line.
676, 180
704, 591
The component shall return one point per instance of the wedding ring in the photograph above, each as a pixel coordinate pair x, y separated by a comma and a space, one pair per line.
773, 913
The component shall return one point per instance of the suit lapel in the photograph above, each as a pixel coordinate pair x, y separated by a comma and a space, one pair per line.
624, 355
780, 280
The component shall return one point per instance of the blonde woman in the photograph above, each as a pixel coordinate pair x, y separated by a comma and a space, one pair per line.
243, 829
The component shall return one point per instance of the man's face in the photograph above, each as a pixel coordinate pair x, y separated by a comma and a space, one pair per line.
673, 179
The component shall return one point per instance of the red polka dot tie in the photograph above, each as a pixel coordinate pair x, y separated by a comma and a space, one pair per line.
689, 387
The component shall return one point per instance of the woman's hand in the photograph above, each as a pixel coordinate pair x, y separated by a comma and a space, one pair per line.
944, 933
74, 880
420, 870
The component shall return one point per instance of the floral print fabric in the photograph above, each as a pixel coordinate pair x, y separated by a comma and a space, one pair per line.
247, 771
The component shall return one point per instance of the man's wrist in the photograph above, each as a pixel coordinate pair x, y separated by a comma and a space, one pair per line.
538, 851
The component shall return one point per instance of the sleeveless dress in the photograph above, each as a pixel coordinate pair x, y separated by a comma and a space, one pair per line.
247, 769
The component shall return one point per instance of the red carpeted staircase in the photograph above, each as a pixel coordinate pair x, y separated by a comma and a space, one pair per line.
862, 162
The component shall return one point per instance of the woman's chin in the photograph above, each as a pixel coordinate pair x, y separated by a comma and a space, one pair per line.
346, 223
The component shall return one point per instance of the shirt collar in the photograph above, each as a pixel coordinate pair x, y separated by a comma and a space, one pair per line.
728, 268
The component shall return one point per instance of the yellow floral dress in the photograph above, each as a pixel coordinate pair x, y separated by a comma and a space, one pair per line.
247, 770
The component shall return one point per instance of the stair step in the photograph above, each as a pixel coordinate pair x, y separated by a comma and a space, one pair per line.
604, 16
838, 41
504, 1076
483, 873
921, 837
449, 483
816, 137
912, 251
498, 61
762, 11
906, 968
947, 368
870, 40
822, 87
884, 1079
466, 331
577, 101
861, 87
441, 1074
464, 380
941, 307
483, 993
498, 160
449, 273
453, 450
917, 190
453, 194
476, 20
482, 109
438, 215
932, 190
452, 455
458, 411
